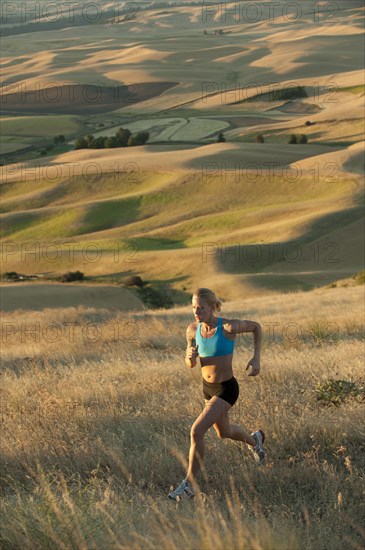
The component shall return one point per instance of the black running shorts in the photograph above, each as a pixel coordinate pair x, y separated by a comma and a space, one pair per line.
227, 390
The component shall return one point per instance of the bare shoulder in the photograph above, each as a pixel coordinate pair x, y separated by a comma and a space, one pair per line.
236, 326
191, 330
227, 325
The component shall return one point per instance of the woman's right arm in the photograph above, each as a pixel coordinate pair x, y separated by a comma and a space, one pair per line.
191, 349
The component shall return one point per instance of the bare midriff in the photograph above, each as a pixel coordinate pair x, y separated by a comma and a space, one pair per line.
217, 369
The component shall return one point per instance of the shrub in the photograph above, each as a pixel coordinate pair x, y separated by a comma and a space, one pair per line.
134, 280
11, 275
260, 138
334, 392
72, 276
293, 139
154, 298
360, 277
302, 138
308, 123
221, 138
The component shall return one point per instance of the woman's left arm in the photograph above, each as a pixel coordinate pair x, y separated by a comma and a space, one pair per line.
238, 327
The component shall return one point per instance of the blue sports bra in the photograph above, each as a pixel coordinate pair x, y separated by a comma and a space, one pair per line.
216, 345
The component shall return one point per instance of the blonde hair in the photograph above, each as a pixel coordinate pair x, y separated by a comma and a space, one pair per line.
209, 297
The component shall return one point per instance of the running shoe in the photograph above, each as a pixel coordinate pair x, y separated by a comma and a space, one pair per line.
183, 491
258, 451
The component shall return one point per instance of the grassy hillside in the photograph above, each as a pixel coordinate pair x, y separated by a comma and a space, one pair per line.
234, 226
96, 417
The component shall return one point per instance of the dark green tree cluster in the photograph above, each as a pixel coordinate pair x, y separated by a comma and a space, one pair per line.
294, 92
122, 138
58, 140
298, 138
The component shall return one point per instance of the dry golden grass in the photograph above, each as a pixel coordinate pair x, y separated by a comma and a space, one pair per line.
96, 428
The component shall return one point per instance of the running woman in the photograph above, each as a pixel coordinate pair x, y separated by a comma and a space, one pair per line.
212, 339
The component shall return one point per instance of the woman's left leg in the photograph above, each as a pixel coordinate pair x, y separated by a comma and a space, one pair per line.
224, 429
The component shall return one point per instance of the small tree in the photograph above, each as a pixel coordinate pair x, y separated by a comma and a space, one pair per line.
90, 141
99, 142
122, 136
221, 138
302, 138
132, 141
293, 139
308, 123
260, 138
81, 143
111, 142
142, 137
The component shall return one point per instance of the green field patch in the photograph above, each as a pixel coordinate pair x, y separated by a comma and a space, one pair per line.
17, 189
152, 243
108, 214
126, 179
33, 226
359, 89
11, 143
11, 225
284, 94
31, 201
38, 126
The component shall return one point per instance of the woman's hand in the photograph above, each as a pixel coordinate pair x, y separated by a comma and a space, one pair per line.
255, 364
193, 353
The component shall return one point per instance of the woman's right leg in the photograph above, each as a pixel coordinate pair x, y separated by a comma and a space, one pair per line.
214, 409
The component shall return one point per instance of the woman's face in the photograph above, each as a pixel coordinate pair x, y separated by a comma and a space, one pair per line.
201, 309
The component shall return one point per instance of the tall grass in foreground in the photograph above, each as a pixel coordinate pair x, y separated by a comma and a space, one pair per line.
95, 433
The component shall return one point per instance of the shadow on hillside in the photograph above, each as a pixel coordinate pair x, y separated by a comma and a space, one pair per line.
109, 277
322, 259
